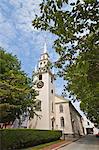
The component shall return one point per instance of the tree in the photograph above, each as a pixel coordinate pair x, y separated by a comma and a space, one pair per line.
83, 82
16, 92
76, 26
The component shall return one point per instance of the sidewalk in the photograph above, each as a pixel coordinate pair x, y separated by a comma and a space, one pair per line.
59, 145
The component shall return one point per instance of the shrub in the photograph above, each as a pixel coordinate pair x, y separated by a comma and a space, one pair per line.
22, 138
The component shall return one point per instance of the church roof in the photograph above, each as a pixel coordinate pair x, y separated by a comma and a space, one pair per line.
60, 99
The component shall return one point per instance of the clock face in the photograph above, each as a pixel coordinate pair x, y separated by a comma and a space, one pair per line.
40, 84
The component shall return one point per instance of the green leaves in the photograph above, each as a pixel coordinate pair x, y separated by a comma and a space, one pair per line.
90, 1
16, 93
83, 81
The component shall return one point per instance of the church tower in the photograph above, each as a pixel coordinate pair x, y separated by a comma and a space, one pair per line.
44, 79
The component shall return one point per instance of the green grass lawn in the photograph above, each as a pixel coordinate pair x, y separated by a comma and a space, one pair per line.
42, 145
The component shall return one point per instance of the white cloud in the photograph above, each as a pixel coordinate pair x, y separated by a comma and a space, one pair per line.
18, 25
18, 34
7, 30
25, 13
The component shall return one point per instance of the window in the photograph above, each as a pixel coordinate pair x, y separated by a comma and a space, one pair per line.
41, 63
51, 79
62, 121
40, 77
38, 106
44, 69
88, 123
52, 124
61, 108
52, 107
52, 91
53, 120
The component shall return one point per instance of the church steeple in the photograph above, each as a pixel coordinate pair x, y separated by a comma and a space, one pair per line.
44, 60
45, 48
44, 84
44, 55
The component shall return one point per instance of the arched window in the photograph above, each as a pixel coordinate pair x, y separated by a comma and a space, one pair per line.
52, 91
52, 125
51, 79
62, 122
40, 77
52, 107
61, 108
53, 122
38, 106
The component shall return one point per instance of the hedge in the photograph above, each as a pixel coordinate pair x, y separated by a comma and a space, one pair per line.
22, 138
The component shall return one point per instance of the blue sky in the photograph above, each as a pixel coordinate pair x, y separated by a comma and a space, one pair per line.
17, 34
19, 37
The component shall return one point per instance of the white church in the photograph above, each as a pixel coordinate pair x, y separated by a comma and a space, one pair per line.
56, 113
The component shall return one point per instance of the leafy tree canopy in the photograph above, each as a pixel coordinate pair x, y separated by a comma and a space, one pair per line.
16, 93
76, 26
83, 83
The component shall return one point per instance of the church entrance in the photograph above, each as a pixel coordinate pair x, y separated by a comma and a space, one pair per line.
52, 125
89, 130
53, 120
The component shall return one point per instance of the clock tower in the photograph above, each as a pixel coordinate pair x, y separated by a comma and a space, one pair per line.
44, 84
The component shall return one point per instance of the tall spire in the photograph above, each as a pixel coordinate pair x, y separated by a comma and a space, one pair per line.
45, 48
